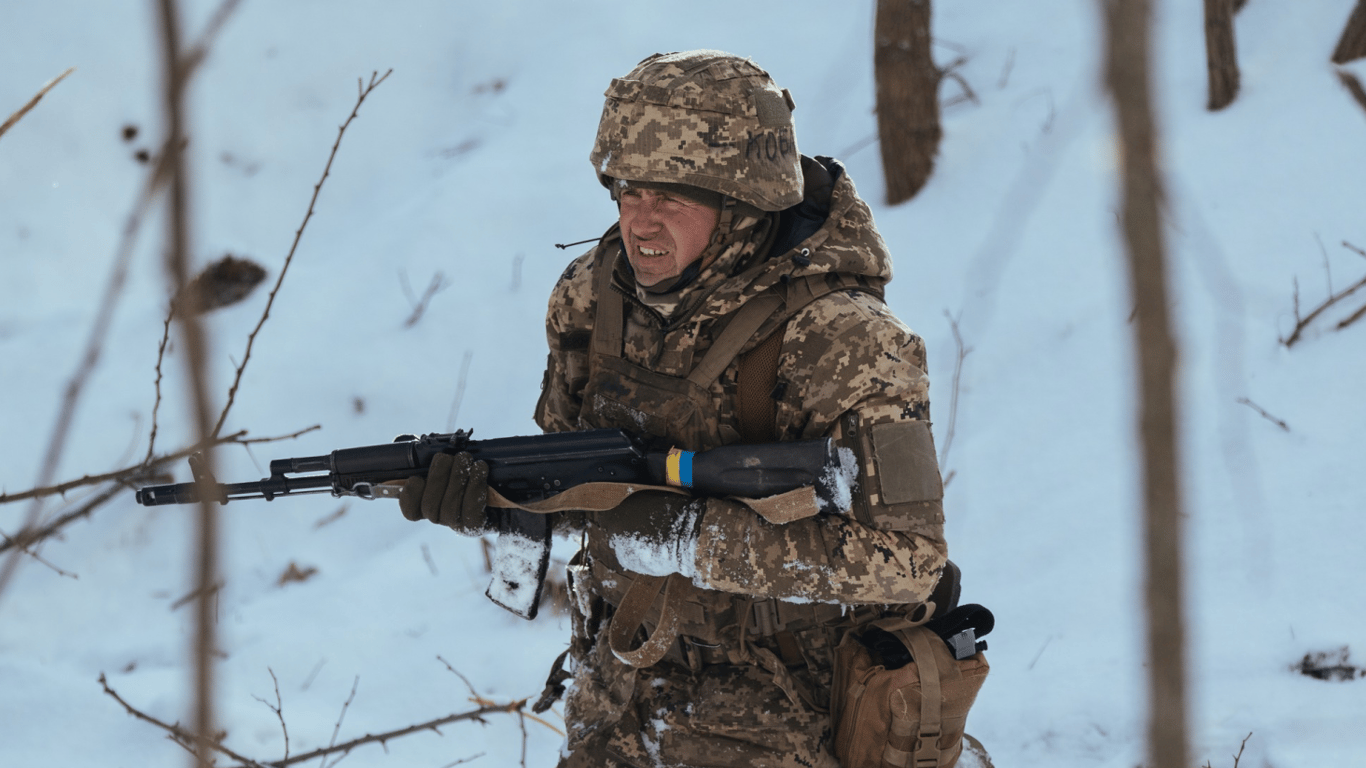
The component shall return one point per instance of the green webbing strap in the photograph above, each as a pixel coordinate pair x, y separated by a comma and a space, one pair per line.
607, 332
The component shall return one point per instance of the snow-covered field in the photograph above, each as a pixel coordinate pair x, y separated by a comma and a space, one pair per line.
470, 162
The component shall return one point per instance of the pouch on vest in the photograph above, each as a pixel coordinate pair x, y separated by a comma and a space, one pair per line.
907, 716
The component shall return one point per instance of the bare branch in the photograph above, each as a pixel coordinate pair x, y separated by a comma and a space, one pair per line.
147, 470
455, 672
1302, 323
957, 387
437, 285
951, 72
187, 740
9, 542
33, 102
1355, 316
1005, 70
278, 708
459, 390
1238, 757
1265, 415
161, 355
39, 534
180, 735
364, 91
342, 716
204, 591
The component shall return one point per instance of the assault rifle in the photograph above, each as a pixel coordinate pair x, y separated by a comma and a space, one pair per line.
523, 471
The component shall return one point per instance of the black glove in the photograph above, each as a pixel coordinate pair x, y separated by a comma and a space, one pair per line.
653, 533
454, 494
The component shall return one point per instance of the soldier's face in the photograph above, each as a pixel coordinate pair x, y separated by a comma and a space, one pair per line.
663, 232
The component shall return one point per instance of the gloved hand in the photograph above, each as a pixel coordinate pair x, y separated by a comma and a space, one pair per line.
653, 533
454, 494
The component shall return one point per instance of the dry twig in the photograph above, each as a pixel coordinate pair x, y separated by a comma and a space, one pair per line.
1265, 415
364, 91
39, 534
1302, 322
185, 739
278, 708
178, 734
957, 387
437, 285
337, 728
148, 471
9, 542
459, 390
33, 102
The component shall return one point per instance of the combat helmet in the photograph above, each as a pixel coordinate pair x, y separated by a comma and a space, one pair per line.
704, 119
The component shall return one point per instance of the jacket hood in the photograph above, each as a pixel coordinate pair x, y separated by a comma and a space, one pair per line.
830, 232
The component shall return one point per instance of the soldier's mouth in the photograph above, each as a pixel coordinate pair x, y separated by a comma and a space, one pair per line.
650, 251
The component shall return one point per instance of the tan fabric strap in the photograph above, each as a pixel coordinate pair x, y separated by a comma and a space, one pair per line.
898, 758
589, 497
796, 504
630, 617
737, 333
780, 509
926, 745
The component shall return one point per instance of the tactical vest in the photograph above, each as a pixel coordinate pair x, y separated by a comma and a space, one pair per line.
704, 626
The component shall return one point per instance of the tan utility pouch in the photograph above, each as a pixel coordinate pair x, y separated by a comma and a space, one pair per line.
911, 717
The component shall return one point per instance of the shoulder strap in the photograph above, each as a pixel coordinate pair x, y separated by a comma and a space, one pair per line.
607, 333
747, 320
757, 378
755, 408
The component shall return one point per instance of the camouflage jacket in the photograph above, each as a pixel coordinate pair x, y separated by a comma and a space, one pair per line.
848, 369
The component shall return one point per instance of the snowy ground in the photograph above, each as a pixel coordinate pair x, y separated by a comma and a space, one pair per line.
470, 161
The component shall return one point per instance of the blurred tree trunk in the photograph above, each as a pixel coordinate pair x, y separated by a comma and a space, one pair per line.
1220, 53
1127, 65
907, 96
1353, 42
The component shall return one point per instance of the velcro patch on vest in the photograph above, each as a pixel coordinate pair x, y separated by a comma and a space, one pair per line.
907, 468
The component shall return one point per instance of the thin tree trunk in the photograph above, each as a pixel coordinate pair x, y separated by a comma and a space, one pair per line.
1127, 75
907, 96
205, 642
1220, 53
1353, 42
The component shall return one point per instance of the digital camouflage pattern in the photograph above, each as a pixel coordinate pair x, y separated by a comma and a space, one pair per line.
703, 118
848, 369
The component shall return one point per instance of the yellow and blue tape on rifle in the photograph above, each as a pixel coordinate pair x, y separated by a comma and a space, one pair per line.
678, 468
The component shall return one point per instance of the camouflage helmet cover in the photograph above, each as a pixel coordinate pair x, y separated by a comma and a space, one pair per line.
706, 119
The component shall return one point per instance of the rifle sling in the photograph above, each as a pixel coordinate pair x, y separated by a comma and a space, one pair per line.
779, 508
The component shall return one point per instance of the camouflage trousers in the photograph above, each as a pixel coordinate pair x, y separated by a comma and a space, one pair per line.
724, 715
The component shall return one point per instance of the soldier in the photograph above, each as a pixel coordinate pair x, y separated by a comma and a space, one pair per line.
737, 299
